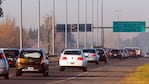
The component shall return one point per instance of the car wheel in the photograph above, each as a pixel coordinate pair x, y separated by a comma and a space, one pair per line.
6, 76
62, 69
84, 69
121, 58
105, 61
18, 73
97, 62
46, 74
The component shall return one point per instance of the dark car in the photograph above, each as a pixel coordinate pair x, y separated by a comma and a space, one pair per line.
32, 60
116, 53
103, 55
11, 55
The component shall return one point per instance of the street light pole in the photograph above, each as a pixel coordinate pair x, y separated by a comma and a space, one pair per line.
39, 24
53, 28
66, 27
102, 29
21, 26
118, 18
97, 26
85, 23
118, 12
92, 22
78, 24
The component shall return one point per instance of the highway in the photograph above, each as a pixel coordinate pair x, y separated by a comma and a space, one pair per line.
111, 73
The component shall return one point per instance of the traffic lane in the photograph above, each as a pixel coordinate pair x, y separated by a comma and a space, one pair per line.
114, 70
54, 75
112, 73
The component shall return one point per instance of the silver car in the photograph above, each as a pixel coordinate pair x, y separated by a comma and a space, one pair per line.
4, 66
91, 55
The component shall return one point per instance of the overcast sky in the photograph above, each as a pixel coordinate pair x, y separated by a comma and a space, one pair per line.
130, 10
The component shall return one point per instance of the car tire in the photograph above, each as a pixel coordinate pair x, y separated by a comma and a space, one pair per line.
121, 58
84, 69
105, 61
6, 76
46, 74
18, 73
97, 62
62, 69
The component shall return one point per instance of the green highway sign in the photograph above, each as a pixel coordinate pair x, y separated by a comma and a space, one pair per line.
129, 26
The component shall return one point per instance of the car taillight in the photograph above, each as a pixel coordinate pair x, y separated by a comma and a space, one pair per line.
64, 58
94, 55
80, 58
2, 56
42, 60
110, 53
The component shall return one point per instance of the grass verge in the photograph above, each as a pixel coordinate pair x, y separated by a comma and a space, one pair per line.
141, 76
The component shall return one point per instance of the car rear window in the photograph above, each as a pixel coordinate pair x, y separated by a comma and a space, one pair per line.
89, 51
31, 54
100, 51
115, 51
11, 53
72, 52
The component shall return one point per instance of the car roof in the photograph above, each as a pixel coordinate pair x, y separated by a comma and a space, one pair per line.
9, 49
37, 49
72, 49
88, 48
100, 48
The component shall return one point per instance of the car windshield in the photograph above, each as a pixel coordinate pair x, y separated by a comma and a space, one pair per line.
72, 53
31, 54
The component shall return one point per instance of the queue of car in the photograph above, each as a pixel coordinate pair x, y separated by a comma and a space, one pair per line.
36, 60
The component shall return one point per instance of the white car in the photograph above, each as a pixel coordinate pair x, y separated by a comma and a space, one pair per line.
72, 58
146, 54
91, 55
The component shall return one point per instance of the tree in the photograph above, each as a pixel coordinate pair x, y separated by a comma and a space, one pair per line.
1, 10
9, 34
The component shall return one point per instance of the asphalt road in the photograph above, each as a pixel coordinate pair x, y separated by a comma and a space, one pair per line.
111, 73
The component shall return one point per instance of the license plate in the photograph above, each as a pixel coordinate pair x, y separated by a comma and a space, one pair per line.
71, 62
10, 59
115, 54
30, 68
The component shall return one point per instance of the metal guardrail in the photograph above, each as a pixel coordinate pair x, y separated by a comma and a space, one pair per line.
53, 58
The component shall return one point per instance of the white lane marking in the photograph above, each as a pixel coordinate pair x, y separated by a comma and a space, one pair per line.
71, 78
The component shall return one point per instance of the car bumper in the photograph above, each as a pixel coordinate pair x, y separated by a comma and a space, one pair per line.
3, 72
67, 63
